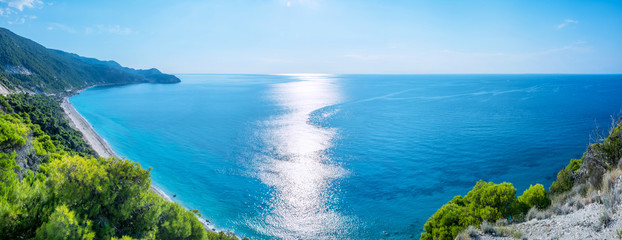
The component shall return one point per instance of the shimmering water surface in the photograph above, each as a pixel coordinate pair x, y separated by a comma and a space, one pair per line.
347, 156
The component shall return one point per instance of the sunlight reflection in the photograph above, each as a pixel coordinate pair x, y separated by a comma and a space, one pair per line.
297, 166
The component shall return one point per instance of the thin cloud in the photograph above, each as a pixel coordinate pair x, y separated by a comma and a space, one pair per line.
566, 22
21, 4
21, 20
108, 29
12, 10
61, 27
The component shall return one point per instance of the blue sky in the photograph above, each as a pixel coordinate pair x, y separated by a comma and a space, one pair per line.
331, 36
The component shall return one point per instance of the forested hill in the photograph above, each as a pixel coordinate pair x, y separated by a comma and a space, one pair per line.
28, 66
52, 186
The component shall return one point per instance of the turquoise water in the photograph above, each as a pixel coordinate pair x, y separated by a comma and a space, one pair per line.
347, 156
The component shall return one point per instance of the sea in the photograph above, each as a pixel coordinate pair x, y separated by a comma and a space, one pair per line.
319, 156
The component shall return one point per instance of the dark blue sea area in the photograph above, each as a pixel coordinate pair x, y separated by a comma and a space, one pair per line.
312, 156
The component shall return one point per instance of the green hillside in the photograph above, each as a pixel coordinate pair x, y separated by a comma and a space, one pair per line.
49, 190
52, 186
26, 65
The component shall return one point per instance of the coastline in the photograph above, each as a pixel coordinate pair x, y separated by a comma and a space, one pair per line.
99, 144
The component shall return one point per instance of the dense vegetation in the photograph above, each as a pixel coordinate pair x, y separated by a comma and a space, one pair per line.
489, 202
486, 202
598, 159
45, 112
51, 184
26, 65
72, 195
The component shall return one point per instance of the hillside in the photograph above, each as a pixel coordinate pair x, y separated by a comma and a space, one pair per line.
583, 202
49, 190
30, 67
52, 184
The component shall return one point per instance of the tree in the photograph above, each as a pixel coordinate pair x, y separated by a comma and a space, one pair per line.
63, 224
535, 196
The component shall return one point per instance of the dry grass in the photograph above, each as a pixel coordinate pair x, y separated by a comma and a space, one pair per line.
535, 213
609, 179
468, 234
501, 231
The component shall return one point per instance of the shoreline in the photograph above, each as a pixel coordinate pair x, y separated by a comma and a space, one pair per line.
99, 144
103, 149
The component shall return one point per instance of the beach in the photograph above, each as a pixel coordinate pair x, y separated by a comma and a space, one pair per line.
101, 147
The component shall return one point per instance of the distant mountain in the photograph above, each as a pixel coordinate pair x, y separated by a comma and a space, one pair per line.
28, 66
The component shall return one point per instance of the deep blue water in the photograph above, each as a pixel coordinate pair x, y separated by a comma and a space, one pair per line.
347, 156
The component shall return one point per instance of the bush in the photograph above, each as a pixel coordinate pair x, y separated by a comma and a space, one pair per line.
63, 224
535, 196
485, 202
565, 177
71, 196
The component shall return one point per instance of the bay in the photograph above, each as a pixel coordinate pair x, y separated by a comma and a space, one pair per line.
313, 156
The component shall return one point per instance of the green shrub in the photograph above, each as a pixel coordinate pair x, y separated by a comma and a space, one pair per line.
63, 224
45, 112
71, 196
565, 177
535, 196
485, 202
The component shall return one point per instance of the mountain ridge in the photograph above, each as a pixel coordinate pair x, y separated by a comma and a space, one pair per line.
27, 66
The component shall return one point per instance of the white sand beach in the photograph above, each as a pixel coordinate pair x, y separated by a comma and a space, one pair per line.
101, 147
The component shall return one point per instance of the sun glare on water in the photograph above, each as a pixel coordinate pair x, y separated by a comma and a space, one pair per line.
297, 166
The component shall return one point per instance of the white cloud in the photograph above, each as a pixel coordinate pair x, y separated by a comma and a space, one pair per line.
566, 22
61, 27
21, 4
108, 29
17, 21
12, 9
6, 12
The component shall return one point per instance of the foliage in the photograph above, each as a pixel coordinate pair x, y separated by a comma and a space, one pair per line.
63, 224
535, 196
65, 192
598, 159
45, 112
489, 202
11, 133
485, 202
612, 146
175, 223
8, 178
73, 196
565, 177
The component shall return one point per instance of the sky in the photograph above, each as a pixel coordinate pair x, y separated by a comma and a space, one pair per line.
331, 36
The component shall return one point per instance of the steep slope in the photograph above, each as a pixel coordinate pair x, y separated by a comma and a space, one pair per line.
583, 202
28, 66
52, 186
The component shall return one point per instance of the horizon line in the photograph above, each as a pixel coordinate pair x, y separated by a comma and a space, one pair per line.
396, 73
